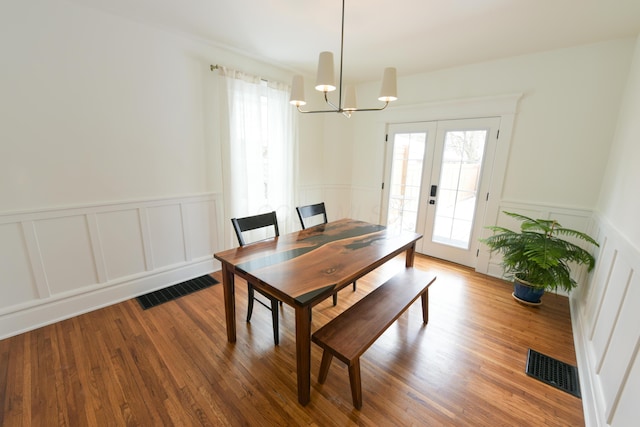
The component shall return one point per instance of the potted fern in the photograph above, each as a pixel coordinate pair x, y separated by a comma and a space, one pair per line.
537, 257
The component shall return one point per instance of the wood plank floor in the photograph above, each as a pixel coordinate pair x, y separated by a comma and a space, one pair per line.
172, 365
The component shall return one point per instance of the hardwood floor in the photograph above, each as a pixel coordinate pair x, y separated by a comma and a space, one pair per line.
172, 365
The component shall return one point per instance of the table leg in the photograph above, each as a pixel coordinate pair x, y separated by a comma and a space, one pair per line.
228, 279
303, 353
411, 252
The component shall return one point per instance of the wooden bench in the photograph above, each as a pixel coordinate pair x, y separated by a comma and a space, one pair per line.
351, 333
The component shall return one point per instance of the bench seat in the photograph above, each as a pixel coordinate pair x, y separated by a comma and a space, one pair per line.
351, 333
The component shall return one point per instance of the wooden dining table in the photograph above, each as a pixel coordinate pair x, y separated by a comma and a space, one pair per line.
303, 268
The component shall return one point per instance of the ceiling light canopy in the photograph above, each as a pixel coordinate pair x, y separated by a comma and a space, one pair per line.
325, 83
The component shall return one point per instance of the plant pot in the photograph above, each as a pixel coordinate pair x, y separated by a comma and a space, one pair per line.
525, 293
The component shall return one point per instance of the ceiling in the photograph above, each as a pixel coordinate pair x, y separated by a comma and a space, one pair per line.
412, 35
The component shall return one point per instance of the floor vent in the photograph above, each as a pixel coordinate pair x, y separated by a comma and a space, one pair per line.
176, 291
553, 372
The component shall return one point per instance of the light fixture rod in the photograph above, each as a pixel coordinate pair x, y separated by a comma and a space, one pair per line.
341, 57
388, 92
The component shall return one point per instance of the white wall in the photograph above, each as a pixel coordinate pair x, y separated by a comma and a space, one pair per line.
622, 173
326, 159
110, 170
563, 128
95, 108
606, 314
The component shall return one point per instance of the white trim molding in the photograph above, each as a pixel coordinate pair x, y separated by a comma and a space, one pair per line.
605, 319
58, 263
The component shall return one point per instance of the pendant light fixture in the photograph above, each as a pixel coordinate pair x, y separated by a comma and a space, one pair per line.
325, 83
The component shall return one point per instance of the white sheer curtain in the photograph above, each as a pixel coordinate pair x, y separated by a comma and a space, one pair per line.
258, 148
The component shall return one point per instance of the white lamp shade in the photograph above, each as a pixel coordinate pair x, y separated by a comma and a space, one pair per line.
350, 99
297, 91
389, 91
325, 80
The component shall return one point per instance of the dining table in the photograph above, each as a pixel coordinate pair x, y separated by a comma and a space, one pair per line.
305, 267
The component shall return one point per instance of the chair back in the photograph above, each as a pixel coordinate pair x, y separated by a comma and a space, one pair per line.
248, 223
305, 212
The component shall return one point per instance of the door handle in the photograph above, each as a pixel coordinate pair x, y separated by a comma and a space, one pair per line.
434, 190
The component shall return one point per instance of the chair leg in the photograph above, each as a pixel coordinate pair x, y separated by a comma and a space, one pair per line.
250, 299
354, 286
335, 299
274, 318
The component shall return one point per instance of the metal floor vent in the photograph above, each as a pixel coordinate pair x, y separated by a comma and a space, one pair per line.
553, 372
176, 291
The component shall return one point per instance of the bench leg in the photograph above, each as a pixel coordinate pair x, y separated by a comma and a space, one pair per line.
324, 366
425, 306
356, 383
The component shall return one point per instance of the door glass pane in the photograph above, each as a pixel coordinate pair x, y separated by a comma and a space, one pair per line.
458, 186
406, 178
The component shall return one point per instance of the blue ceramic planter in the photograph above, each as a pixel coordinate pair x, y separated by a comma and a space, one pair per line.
525, 293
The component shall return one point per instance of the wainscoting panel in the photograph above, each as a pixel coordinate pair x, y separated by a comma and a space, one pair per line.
598, 284
200, 221
15, 269
114, 228
58, 263
615, 366
67, 256
626, 411
606, 323
166, 235
578, 219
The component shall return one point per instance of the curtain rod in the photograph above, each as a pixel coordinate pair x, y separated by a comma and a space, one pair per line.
217, 67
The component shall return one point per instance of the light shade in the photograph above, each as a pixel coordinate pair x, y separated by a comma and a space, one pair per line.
325, 80
297, 91
389, 91
350, 99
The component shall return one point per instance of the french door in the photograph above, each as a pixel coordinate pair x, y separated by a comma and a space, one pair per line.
436, 183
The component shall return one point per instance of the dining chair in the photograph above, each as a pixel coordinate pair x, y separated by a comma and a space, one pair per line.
312, 213
247, 224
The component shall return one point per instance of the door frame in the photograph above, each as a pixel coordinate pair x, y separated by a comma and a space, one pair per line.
504, 107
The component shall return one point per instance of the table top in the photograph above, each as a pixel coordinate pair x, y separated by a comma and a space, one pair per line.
304, 267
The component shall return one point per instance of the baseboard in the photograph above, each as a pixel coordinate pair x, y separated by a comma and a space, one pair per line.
587, 388
46, 313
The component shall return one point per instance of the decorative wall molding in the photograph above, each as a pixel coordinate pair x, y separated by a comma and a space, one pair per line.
576, 218
499, 105
606, 324
58, 263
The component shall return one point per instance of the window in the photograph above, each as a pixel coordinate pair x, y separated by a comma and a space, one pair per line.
259, 153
